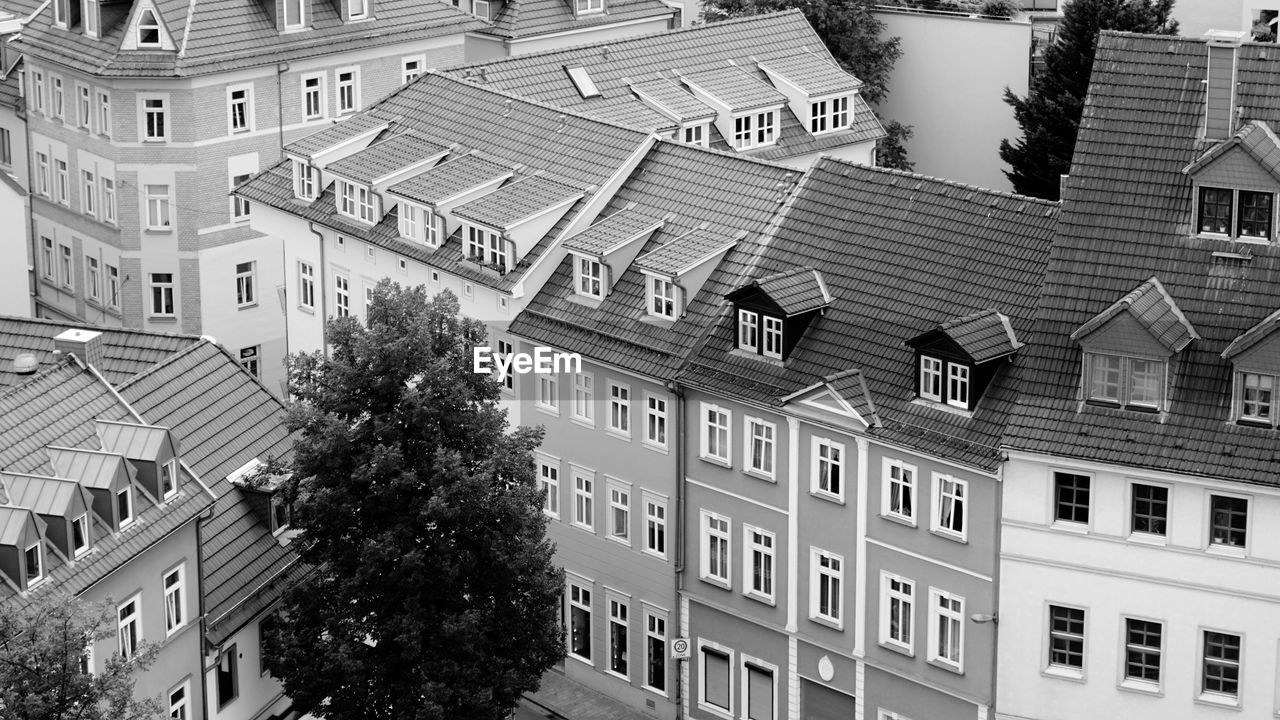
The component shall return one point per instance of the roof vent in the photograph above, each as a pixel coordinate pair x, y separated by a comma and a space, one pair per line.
26, 364
85, 344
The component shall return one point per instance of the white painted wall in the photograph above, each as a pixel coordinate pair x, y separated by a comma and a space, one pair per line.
263, 322
15, 281
949, 85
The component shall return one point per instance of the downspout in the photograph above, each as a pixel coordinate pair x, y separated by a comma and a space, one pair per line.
204, 630
676, 390
281, 69
34, 240
995, 584
324, 293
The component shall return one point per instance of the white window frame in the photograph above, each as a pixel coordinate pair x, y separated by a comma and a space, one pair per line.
584, 398
304, 180
301, 21
584, 497
549, 483
746, 663
656, 422
655, 628
695, 134
175, 599
1213, 697
108, 199
412, 67
341, 296
83, 521
619, 607
758, 542
44, 184
748, 330
817, 462
154, 25
1242, 377
88, 192
931, 378
662, 298
113, 286
771, 337
61, 181
619, 511
162, 290
716, 426
476, 6
958, 384
940, 498
1250, 511
703, 646
936, 615
350, 88
1125, 380
900, 601
584, 7
58, 95
246, 282
907, 486
67, 265
84, 107
159, 203
160, 110
48, 263
134, 622
716, 538
352, 5
655, 524
581, 599
548, 399
759, 431
1051, 633
619, 422
306, 285
318, 93
1139, 683
41, 573
38, 92
178, 708
241, 107
588, 277
835, 579
104, 112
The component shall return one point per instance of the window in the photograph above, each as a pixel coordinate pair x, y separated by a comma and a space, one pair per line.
409, 222
108, 200
1120, 380
84, 107
59, 97
239, 205
1066, 638
583, 501
153, 110
61, 12
758, 548
168, 477
178, 703
313, 97
548, 393
506, 350
715, 677
897, 595
245, 274
79, 535
946, 644
620, 409
828, 115
662, 298
930, 378
958, 385
487, 248
695, 135
46, 259
748, 330
579, 622
6, 147
306, 285
281, 514
655, 526
590, 274
104, 113
1251, 210
549, 483
1150, 508
239, 109
357, 9
348, 92
228, 680
43, 186
758, 687
162, 294
148, 29
113, 287
753, 130
1221, 673
620, 514
589, 6
88, 193
158, 216
715, 433
293, 14
1256, 398
760, 450
954, 392
93, 279
129, 626
827, 576
481, 9
341, 296
828, 468
655, 416
175, 611
949, 505
1142, 642
1071, 497
62, 183
411, 68
618, 637
1228, 520
742, 131
268, 641
772, 337
304, 181
715, 559
356, 201
65, 258
584, 397
249, 360
655, 676
37, 91
35, 564
899, 490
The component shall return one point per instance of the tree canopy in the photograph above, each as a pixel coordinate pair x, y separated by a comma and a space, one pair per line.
1050, 114
433, 594
42, 647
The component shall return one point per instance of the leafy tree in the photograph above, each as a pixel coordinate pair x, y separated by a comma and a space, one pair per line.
851, 32
1050, 114
433, 594
42, 644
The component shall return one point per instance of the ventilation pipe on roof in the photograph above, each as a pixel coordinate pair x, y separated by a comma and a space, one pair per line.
84, 344
26, 364
1220, 83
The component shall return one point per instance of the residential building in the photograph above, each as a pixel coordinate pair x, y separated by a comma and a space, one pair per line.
526, 26
1137, 578
15, 294
841, 474
763, 86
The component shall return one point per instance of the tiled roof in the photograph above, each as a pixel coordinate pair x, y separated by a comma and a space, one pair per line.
899, 253
1258, 141
984, 335
674, 100
684, 252
223, 35
125, 352
386, 156
10, 94
336, 134
688, 186
580, 151
451, 178
1128, 215
795, 291
1154, 310
1253, 335
521, 19
813, 73
735, 87
518, 201
608, 234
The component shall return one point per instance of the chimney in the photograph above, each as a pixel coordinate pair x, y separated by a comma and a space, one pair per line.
86, 344
1220, 84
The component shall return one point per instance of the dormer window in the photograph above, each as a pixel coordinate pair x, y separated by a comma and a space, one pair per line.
293, 14
281, 514
90, 17
1256, 392
1243, 214
124, 506
35, 564
945, 381
357, 201
585, 7
748, 330
754, 130
61, 13
80, 535
662, 298
589, 277
419, 225
169, 479
486, 247
829, 115
304, 180
1125, 381
481, 9
148, 29
695, 135
357, 9
760, 333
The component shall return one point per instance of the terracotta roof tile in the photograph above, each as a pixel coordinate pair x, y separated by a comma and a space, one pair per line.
518, 201
735, 87
984, 335
386, 156
813, 73
796, 291
606, 235
334, 135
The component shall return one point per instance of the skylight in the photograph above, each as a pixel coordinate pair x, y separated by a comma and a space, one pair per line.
583, 82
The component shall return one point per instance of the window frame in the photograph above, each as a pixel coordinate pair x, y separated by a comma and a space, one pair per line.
619, 423
1133, 511
159, 207
351, 89
715, 543
619, 510
155, 115
306, 285
34, 579
175, 607
618, 624
61, 181
705, 646
584, 495
102, 101
317, 93
899, 602
763, 544
583, 408
178, 708
936, 522
240, 207
549, 484
581, 601
833, 589
66, 266
1066, 643
548, 397
748, 330
249, 359
143, 26
906, 486
1228, 547
655, 524
816, 464
341, 295
657, 422
767, 440
936, 613
231, 656
1071, 505
240, 109
1125, 379
1235, 213
1241, 402
84, 107
716, 427
406, 75
747, 663
655, 629
930, 377
162, 295
662, 298
82, 521
134, 622
1129, 648
89, 192
588, 277
246, 281
1214, 696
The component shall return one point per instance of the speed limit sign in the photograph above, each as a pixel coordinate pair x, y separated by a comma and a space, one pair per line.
680, 648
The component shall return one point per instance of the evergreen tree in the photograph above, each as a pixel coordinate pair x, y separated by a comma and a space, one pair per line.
1050, 114
42, 645
433, 594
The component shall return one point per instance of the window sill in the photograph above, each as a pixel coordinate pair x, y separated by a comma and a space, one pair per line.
1259, 423
247, 306
1233, 551
715, 461
159, 231
617, 675
1220, 701
655, 554
1142, 687
656, 447
545, 410
307, 310
655, 691
715, 710
899, 648
761, 475
162, 318
625, 437
715, 581
826, 496
827, 622
899, 519
584, 661
1070, 527
758, 597
623, 541
583, 422
1064, 673
552, 515
950, 535
584, 528
1148, 539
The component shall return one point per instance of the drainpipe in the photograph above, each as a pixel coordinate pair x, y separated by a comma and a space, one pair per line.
995, 583
678, 392
204, 629
324, 293
281, 69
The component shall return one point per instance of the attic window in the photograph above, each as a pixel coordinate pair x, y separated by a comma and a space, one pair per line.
281, 514
945, 381
292, 14
1257, 398
80, 535
760, 333
169, 479
589, 277
829, 115
1130, 382
357, 9
695, 134
1243, 214
589, 6
35, 564
582, 79
480, 8
124, 505
61, 11
662, 299
486, 248
148, 29
304, 181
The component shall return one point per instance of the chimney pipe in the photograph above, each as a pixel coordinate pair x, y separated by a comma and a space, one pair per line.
1220, 84
85, 344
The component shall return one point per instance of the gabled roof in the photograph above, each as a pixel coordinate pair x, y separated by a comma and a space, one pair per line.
984, 335
521, 19
811, 72
134, 441
1253, 335
13, 521
795, 292
94, 469
1255, 138
1152, 307
735, 87
338, 134
125, 352
843, 392
519, 201
604, 236
672, 100
1128, 214
451, 178
42, 495
386, 157
685, 252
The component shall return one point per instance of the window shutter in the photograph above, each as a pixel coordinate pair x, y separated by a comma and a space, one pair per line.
759, 693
